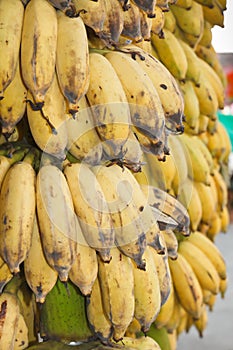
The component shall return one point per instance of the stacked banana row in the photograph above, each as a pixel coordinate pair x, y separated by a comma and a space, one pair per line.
107, 216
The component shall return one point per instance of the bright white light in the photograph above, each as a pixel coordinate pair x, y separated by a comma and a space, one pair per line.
222, 37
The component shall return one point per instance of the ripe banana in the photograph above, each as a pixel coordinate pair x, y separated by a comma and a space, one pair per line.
10, 38
132, 153
91, 208
60, 4
146, 292
116, 280
171, 53
205, 271
141, 343
21, 334
38, 48
41, 278
157, 22
17, 208
59, 232
83, 272
214, 14
186, 286
206, 39
108, 105
147, 6
171, 243
132, 24
209, 206
48, 125
175, 317
145, 106
113, 23
184, 3
145, 25
166, 309
169, 21
5, 274
225, 219
201, 323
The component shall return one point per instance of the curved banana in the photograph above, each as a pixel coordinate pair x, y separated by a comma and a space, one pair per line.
206, 39
7, 161
109, 105
166, 309
17, 208
21, 334
169, 21
41, 278
175, 317
132, 24
214, 14
145, 25
147, 6
116, 280
191, 105
209, 206
5, 274
91, 208
38, 48
10, 38
171, 243
203, 268
132, 153
60, 4
141, 343
158, 22
114, 22
59, 232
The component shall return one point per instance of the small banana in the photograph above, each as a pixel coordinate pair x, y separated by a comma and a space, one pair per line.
169, 21
10, 38
116, 280
72, 59
41, 277
171, 243
17, 207
91, 208
109, 105
38, 48
59, 231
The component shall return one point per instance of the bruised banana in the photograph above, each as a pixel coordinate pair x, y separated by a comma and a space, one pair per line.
130, 236
146, 26
132, 24
38, 48
13, 105
59, 232
17, 207
166, 309
41, 277
91, 210
116, 280
171, 243
140, 343
114, 22
147, 6
158, 21
109, 105
61, 4
145, 106
72, 59
132, 153
21, 334
214, 14
10, 38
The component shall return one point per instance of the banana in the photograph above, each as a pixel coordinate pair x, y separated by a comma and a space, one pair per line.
21, 334
116, 280
224, 141
225, 219
109, 105
38, 48
186, 286
114, 22
215, 227
201, 323
209, 206
10, 314
191, 104
175, 317
169, 21
92, 210
214, 14
186, 4
92, 13
145, 25
163, 4
147, 6
171, 53
41, 278
223, 287
206, 153
190, 39
171, 243
13, 105
146, 292
166, 310
169, 205
205, 271
132, 24
145, 106
189, 20
208, 3
83, 140
60, 4
222, 4
165, 84
203, 123
17, 207
5, 274
83, 272
10, 38
158, 22
48, 125
63, 315
164, 275
206, 39
59, 232
141, 343
211, 251
222, 191
72, 59
189, 197
132, 153
160, 336
98, 322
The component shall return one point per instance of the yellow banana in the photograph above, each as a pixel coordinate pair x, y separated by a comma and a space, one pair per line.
83, 272
163, 4
41, 278
114, 22
166, 309
201, 323
13, 105
206, 38
145, 106
205, 151
171, 243
132, 153
203, 123
175, 317
165, 84
141, 343
186, 286
205, 271
10, 38
190, 39
223, 287
83, 140
158, 21
187, 4
208, 3
225, 219
10, 312
147, 6
109, 105
72, 59
222, 190
169, 21
132, 24
91, 208
38, 48
211, 251
5, 274
61, 4
214, 14
21, 334
145, 25
215, 227
48, 125
59, 232
191, 104
116, 280
17, 207
171, 53
97, 319
209, 206
224, 141
146, 292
